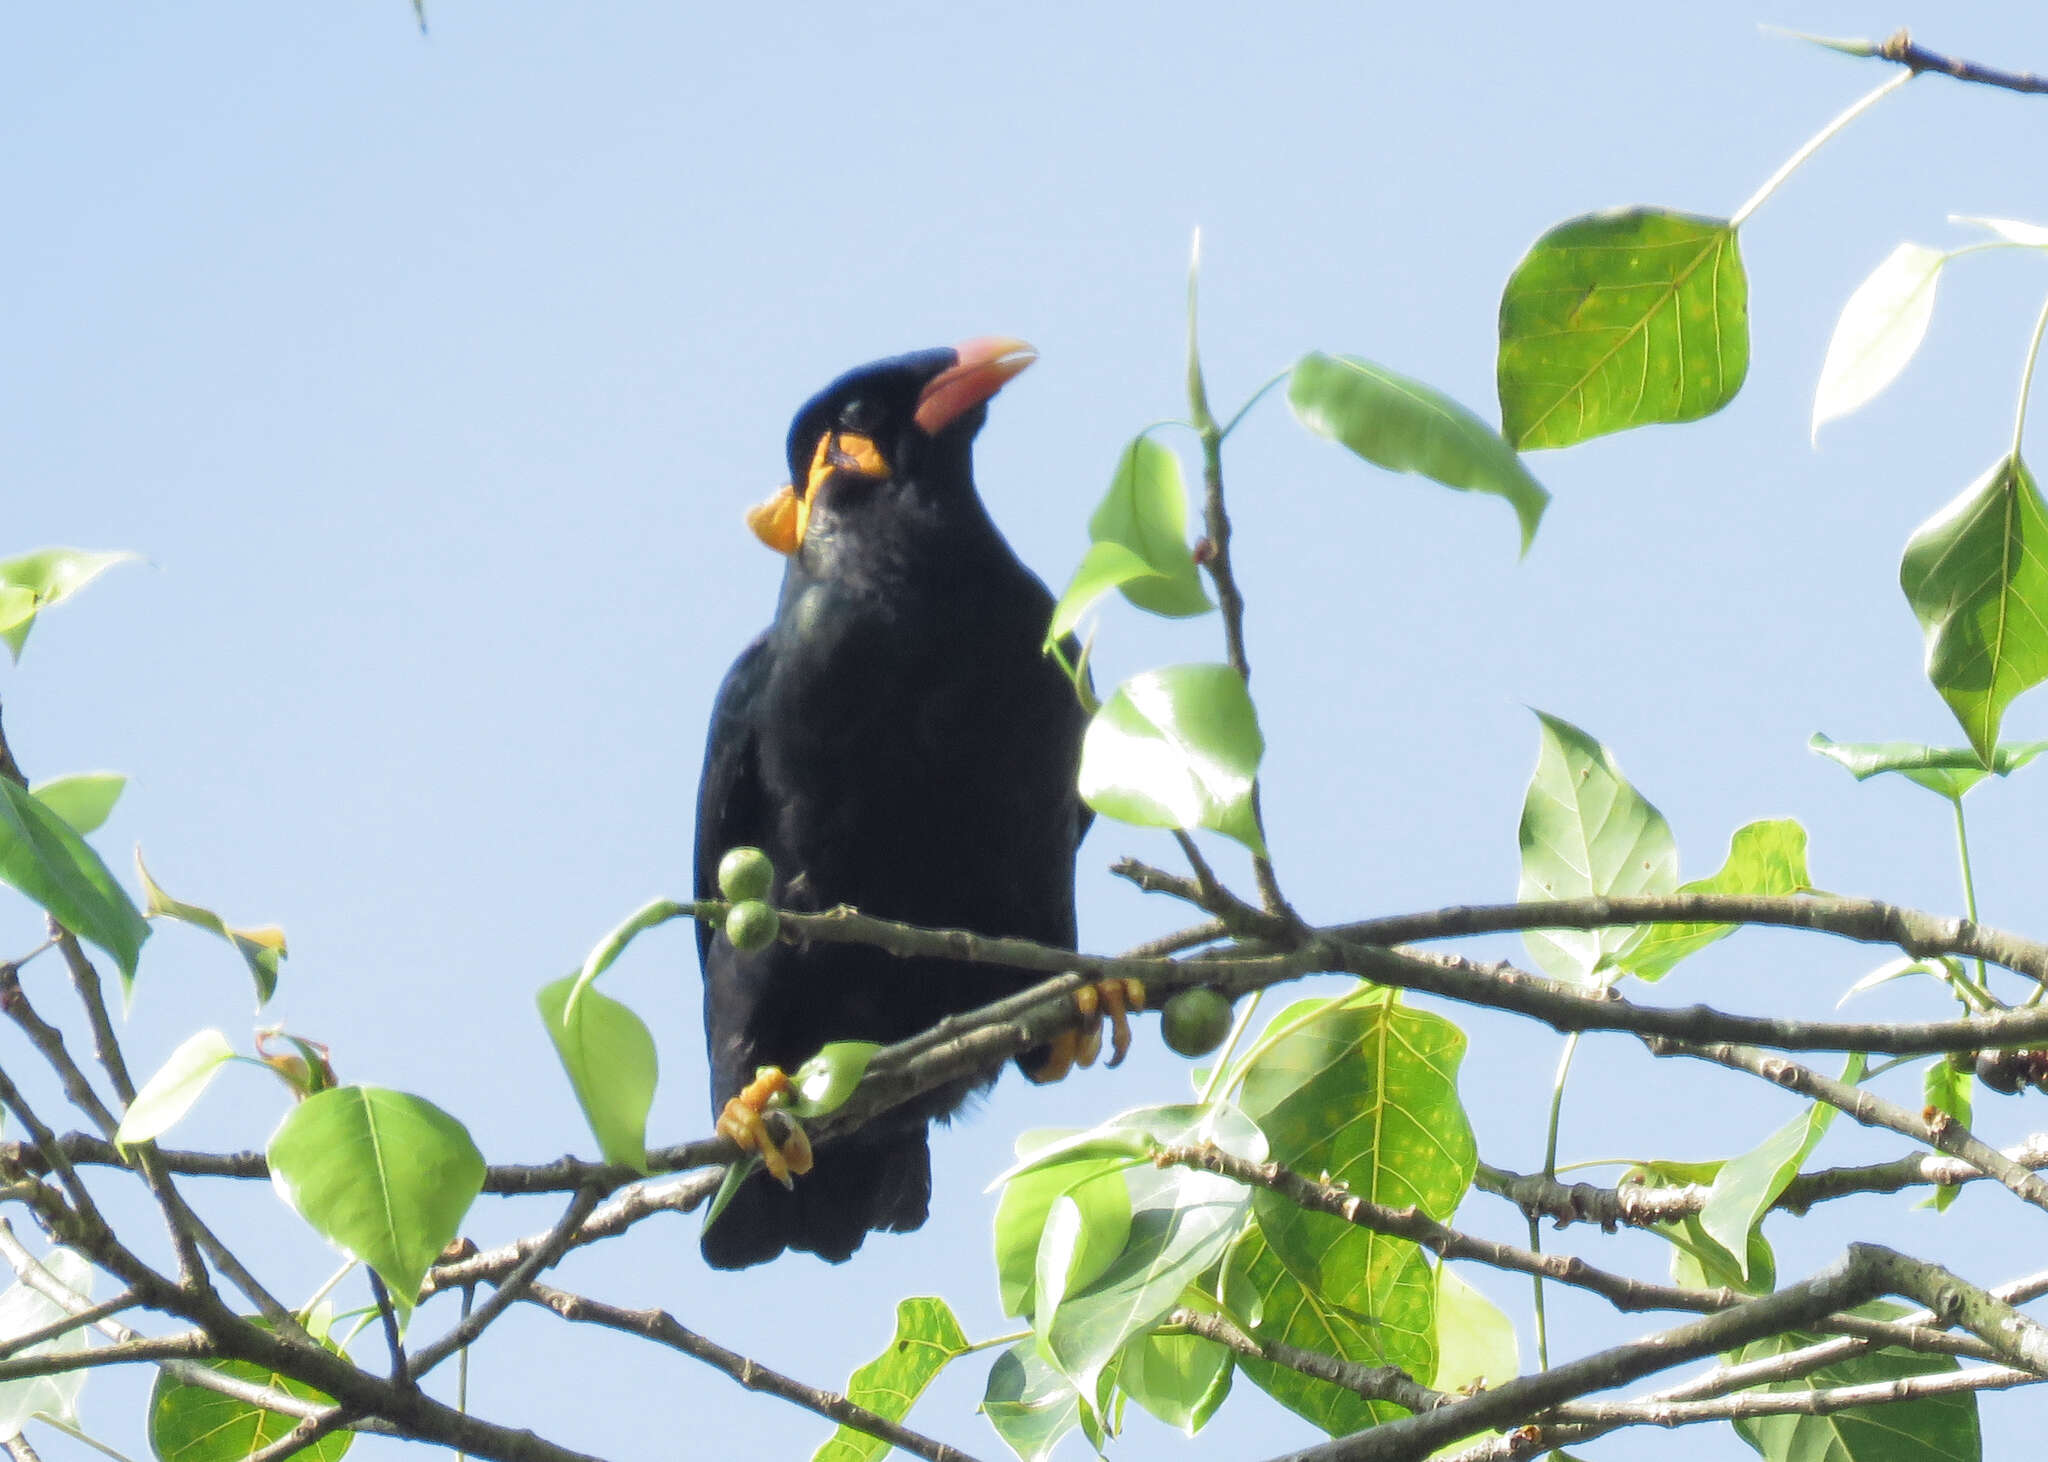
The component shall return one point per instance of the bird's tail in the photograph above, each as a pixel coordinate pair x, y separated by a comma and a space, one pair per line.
855, 1187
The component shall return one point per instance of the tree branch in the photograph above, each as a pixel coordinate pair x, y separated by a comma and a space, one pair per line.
1639, 1205
662, 1328
1899, 47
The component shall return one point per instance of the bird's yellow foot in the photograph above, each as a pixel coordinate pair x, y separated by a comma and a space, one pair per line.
1105, 1000
752, 1120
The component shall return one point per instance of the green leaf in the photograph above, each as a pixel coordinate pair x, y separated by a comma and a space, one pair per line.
167, 1096
1180, 1379
823, 1083
1767, 857
1181, 1222
189, 1423
1029, 1193
1748, 1185
2032, 235
45, 859
84, 799
1365, 1090
1270, 1303
1031, 1405
609, 1055
1146, 511
1475, 1340
22, 1310
1943, 968
1926, 1429
1880, 327
1947, 771
261, 947
36, 581
1621, 319
1086, 1228
1948, 1089
1586, 831
1976, 574
1104, 567
383, 1176
1405, 426
1179, 748
927, 1337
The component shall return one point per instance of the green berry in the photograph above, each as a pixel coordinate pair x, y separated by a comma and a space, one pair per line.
745, 873
1195, 1021
751, 925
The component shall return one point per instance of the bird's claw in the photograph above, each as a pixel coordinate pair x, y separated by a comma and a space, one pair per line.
747, 1120
1106, 1000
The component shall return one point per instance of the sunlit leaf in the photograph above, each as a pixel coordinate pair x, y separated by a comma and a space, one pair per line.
1948, 1088
168, 1095
1104, 567
383, 1176
1947, 771
1179, 748
1364, 1090
1030, 1404
45, 859
1180, 1379
1880, 327
1271, 1303
23, 1309
1747, 1186
1767, 857
35, 581
1475, 1339
1146, 511
1182, 1220
823, 1083
1086, 1228
1940, 1428
189, 1423
1586, 831
1943, 969
1406, 426
2032, 235
609, 1056
1620, 319
84, 800
262, 947
1976, 574
927, 1337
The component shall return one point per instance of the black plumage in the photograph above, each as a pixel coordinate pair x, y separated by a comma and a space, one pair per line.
896, 741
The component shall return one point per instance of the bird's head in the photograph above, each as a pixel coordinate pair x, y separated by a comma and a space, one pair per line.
886, 427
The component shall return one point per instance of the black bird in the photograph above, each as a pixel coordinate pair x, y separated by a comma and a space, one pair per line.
896, 741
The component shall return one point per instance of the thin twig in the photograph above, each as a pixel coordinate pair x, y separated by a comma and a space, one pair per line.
1374, 1383
1900, 48
542, 1257
663, 1329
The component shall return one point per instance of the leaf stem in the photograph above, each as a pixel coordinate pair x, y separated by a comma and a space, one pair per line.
1814, 143
1237, 1030
1564, 1070
993, 1341
1256, 397
78, 1436
2019, 425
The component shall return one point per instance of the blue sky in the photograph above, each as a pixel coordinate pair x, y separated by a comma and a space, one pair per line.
432, 376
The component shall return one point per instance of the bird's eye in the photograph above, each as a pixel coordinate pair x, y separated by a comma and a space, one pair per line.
857, 415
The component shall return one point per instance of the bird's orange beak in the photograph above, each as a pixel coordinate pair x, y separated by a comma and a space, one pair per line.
985, 365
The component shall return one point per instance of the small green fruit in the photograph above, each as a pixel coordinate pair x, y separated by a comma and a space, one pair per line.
751, 925
1195, 1021
745, 873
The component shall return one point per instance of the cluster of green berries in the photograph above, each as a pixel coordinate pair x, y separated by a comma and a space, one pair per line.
744, 876
1194, 1021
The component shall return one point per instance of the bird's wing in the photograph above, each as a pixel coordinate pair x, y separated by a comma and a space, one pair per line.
730, 808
